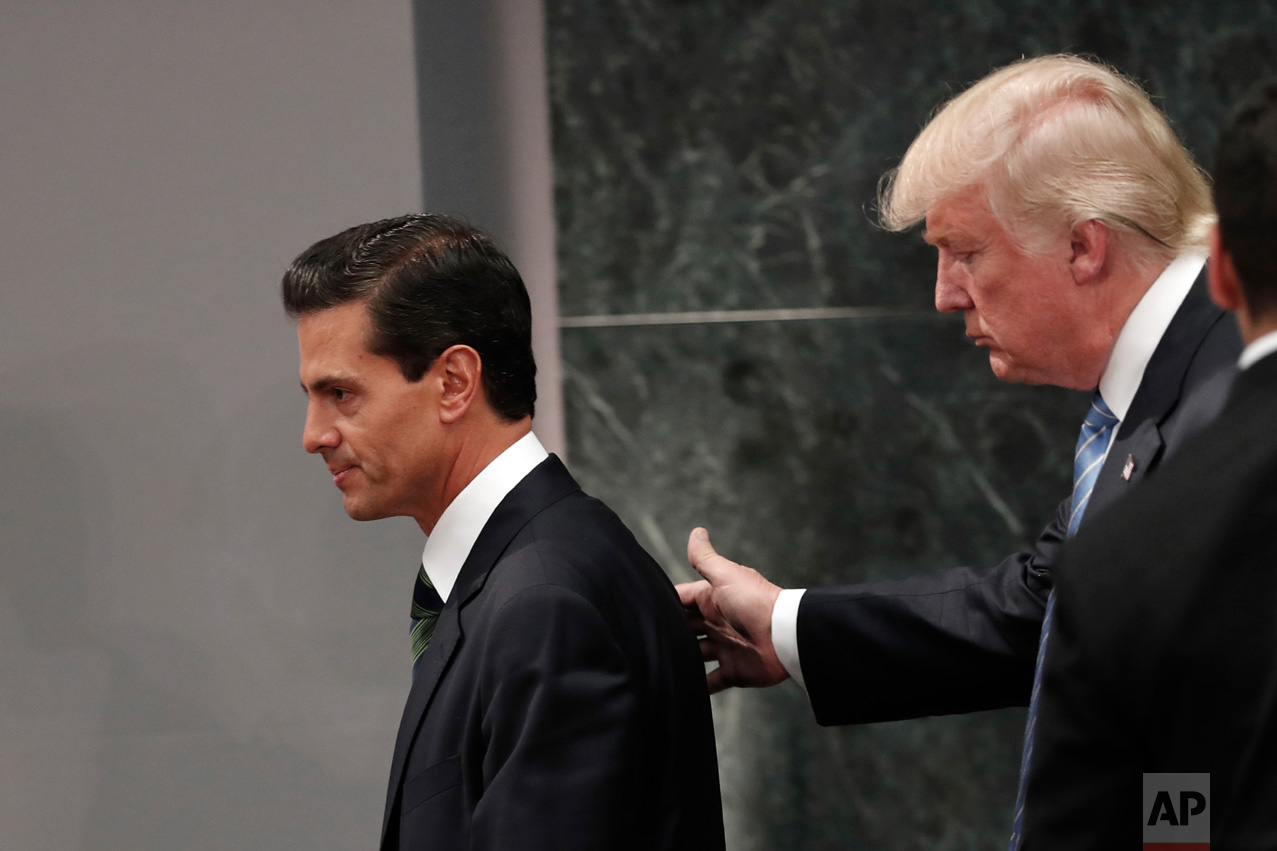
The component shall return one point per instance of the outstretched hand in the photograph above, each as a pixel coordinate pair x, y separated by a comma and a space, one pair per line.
731, 609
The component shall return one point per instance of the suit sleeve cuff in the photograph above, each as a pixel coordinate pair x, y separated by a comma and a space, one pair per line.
785, 632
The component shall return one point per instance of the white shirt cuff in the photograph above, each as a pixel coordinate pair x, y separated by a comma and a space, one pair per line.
785, 632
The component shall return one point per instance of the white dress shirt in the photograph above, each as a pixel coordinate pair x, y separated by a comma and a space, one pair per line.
1257, 349
1119, 382
459, 526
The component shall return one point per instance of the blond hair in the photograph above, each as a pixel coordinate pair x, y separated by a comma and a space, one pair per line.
1057, 141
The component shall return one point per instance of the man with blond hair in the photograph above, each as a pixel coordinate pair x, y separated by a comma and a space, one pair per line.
1163, 659
1071, 228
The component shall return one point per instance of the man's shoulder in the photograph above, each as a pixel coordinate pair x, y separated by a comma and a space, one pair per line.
1176, 524
1197, 357
1210, 372
579, 544
575, 560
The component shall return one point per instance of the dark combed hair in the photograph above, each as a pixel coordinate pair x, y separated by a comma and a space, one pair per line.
429, 282
1246, 194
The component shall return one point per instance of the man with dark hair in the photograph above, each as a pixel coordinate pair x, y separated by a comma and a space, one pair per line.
1163, 655
558, 698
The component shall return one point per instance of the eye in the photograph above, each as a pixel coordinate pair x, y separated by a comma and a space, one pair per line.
339, 394
953, 256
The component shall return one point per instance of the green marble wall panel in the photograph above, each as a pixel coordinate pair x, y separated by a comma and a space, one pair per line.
827, 452
723, 155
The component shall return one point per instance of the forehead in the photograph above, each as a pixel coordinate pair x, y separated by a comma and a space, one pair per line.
965, 215
332, 343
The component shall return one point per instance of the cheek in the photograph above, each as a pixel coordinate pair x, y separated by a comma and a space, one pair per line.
984, 285
412, 447
1003, 299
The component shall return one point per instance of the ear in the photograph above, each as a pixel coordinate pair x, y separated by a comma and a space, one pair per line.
1088, 249
1225, 285
462, 373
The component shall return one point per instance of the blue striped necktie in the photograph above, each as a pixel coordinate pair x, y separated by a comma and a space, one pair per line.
426, 605
1088, 458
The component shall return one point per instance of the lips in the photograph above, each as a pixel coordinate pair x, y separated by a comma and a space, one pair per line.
341, 473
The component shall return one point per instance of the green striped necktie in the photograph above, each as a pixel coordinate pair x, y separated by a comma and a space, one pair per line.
426, 605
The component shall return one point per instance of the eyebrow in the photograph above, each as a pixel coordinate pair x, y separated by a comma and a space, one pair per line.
948, 239
321, 384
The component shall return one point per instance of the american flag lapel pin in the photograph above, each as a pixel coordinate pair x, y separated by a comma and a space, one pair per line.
1129, 468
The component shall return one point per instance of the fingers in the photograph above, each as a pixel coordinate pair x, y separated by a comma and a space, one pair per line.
689, 592
716, 682
693, 596
695, 620
697, 544
709, 653
705, 560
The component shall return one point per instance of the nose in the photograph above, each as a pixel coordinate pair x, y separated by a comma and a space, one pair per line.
951, 286
319, 434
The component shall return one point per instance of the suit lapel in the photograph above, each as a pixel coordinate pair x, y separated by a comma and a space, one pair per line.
1138, 444
548, 482
443, 646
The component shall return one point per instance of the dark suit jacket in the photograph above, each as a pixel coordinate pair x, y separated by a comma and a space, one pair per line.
1162, 656
964, 640
562, 701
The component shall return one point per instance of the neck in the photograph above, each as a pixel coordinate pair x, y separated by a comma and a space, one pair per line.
1254, 327
474, 450
1132, 284
1116, 299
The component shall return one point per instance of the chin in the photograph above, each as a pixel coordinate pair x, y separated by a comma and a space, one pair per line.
1004, 370
1016, 374
362, 512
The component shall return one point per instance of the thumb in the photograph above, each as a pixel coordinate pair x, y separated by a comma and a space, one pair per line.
704, 559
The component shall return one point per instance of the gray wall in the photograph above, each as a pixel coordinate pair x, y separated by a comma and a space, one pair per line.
197, 648
485, 152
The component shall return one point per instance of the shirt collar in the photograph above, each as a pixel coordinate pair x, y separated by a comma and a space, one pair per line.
1258, 349
1143, 331
459, 526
